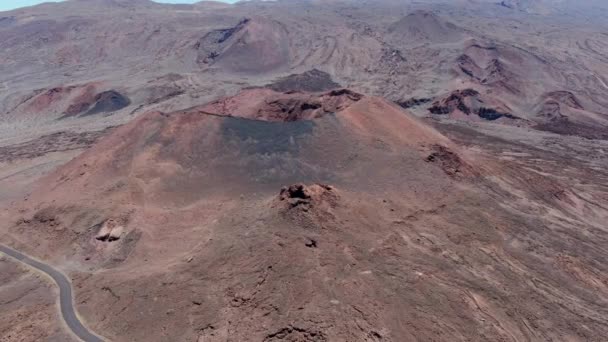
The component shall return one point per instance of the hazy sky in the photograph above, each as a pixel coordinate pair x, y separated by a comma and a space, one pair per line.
10, 4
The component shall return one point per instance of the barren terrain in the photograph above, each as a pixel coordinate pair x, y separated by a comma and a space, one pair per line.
307, 170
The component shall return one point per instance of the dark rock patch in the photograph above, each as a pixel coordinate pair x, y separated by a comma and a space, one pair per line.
374, 336
492, 114
47, 217
212, 43
346, 92
469, 92
468, 66
107, 102
439, 110
413, 102
506, 4
292, 333
55, 142
300, 195
564, 126
262, 137
470, 101
104, 102
295, 195
311, 243
456, 100
311, 81
7, 21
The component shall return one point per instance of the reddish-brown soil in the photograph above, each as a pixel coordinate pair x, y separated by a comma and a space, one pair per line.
82, 102
245, 195
381, 224
268, 105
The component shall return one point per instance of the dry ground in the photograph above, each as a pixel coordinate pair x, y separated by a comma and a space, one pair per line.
457, 226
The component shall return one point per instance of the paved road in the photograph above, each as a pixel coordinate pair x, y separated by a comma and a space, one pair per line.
65, 294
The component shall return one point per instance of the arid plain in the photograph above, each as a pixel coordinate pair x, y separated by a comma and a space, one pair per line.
317, 170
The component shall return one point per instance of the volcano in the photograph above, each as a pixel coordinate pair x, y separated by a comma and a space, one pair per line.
288, 159
424, 26
254, 45
331, 204
258, 139
562, 112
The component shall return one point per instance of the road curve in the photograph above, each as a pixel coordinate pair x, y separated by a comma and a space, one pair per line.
66, 302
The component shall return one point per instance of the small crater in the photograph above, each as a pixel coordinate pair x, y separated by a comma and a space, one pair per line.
413, 102
300, 195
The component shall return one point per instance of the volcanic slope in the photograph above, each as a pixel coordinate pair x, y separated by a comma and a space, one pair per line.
314, 217
167, 57
252, 46
426, 27
255, 140
564, 113
504, 68
469, 104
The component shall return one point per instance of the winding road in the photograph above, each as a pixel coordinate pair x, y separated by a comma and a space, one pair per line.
66, 302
